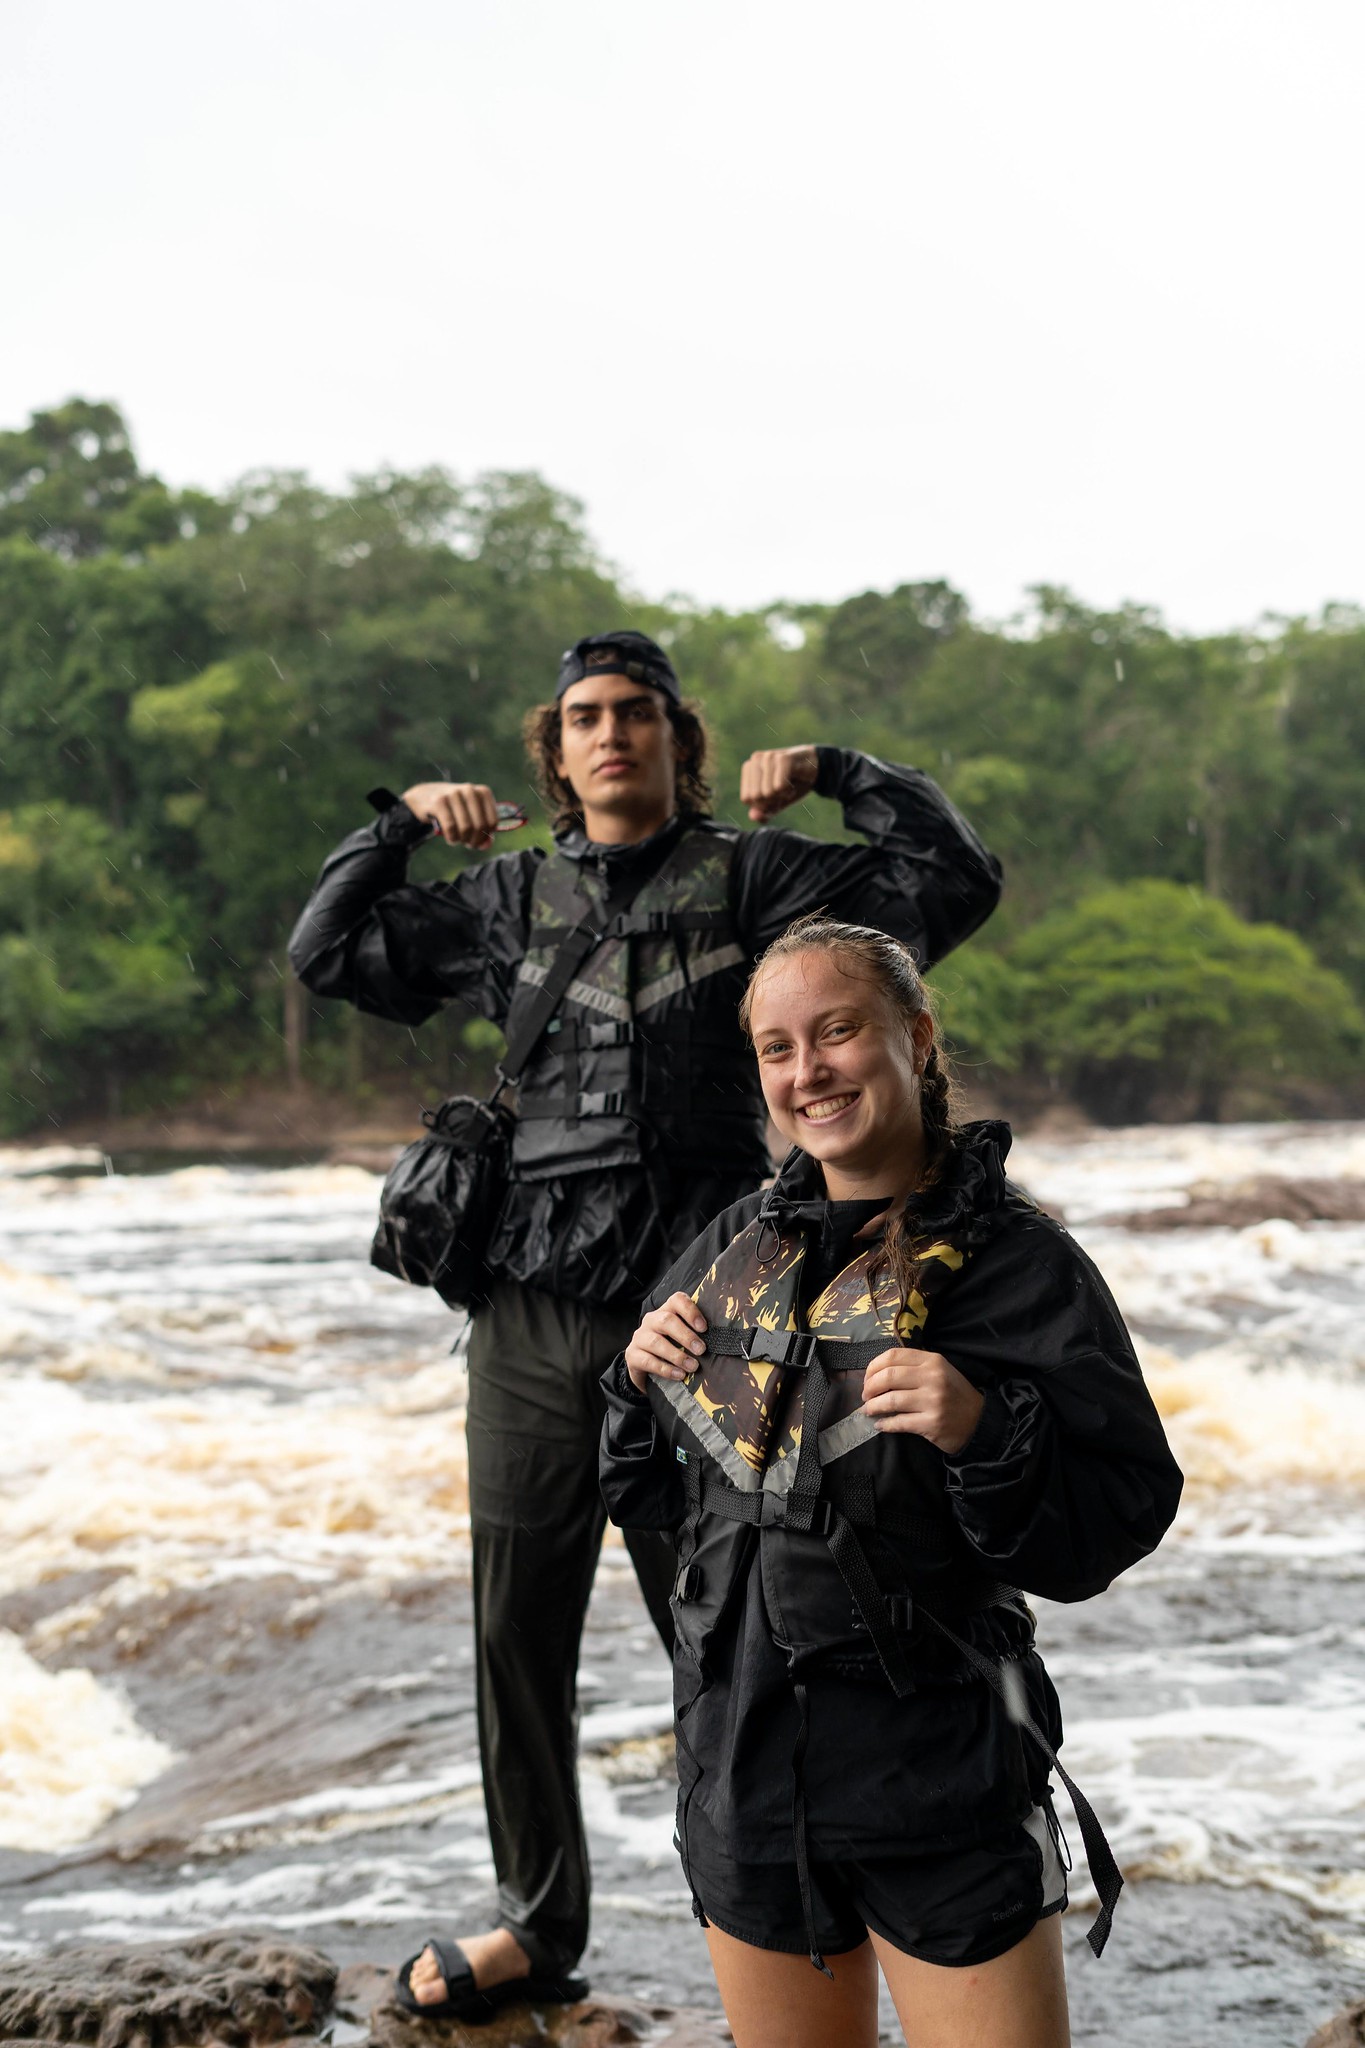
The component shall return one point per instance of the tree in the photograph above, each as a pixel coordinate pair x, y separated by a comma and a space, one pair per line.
70, 481
875, 646
1153, 990
94, 977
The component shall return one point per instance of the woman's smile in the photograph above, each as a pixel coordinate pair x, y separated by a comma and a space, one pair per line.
828, 1107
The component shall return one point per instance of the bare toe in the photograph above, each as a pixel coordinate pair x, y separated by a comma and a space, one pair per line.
425, 1979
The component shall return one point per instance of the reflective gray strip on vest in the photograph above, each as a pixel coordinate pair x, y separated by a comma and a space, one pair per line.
699, 967
580, 992
710, 1435
835, 1442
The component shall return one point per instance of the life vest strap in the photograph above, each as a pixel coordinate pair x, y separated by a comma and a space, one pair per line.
769, 1511
799, 1349
637, 924
1104, 1869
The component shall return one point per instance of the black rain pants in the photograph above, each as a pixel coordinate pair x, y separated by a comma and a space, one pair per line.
537, 1518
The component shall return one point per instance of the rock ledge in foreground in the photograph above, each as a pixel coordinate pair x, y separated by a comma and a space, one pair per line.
247, 1989
1347, 2030
364, 1994
238, 1990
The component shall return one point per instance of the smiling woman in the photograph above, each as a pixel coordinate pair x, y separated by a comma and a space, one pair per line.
876, 1405
844, 1064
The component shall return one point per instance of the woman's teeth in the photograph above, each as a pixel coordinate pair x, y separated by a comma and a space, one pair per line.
820, 1112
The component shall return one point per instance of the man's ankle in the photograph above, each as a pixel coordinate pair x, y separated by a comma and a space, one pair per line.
495, 1957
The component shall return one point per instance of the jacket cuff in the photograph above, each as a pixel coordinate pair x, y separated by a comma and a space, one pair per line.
994, 1428
623, 1385
396, 824
829, 774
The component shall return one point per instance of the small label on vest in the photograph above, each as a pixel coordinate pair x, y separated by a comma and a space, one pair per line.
680, 1454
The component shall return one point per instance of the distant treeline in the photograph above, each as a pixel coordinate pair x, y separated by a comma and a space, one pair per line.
197, 691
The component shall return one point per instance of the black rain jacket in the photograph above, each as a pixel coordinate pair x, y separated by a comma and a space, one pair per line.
1067, 1481
401, 949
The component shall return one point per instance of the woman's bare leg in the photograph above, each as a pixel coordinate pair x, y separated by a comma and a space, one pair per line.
1017, 2001
778, 2001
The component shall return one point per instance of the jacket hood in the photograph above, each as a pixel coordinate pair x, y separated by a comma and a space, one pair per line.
964, 1198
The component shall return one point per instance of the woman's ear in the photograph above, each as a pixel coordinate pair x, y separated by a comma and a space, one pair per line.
922, 1038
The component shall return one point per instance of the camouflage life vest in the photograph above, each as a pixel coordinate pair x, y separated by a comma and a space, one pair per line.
645, 1057
747, 1412
740, 1427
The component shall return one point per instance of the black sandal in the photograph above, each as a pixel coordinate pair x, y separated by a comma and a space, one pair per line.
465, 2001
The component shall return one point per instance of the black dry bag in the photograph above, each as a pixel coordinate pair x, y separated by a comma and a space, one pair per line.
441, 1196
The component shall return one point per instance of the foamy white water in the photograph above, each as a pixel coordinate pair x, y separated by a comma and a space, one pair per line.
205, 1382
72, 1753
204, 1377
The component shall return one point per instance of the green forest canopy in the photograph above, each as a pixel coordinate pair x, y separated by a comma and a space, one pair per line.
196, 691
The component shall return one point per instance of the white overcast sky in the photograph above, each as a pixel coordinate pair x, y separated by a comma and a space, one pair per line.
799, 298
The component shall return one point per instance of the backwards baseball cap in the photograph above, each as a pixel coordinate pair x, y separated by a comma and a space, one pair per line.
634, 655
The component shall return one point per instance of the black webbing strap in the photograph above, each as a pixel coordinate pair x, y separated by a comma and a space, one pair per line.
586, 1102
575, 946
642, 924
799, 1829
1098, 1854
769, 1511
858, 1575
594, 1037
805, 1488
797, 1348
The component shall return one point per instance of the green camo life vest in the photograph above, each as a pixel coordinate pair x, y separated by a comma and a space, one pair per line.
646, 1058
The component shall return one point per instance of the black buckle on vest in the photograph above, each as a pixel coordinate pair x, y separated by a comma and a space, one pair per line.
772, 1513
596, 1035
642, 924
614, 1104
687, 1585
777, 1347
639, 924
900, 1612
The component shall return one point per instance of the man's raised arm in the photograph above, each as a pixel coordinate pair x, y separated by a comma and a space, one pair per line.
923, 876
400, 949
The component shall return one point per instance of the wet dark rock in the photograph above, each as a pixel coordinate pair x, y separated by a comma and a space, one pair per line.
233, 1990
245, 1990
1238, 1204
1347, 2030
364, 1994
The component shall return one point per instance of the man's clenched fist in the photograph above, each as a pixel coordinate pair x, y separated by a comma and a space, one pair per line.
776, 777
464, 813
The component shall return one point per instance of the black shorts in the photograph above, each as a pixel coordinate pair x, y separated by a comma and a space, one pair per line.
954, 1907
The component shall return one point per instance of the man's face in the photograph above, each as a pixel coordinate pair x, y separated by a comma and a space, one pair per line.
616, 748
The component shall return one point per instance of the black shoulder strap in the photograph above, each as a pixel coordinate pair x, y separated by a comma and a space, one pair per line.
581, 940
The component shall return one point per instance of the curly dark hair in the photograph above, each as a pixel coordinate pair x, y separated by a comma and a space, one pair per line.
870, 955
540, 729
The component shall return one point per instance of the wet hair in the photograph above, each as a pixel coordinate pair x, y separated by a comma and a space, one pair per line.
869, 955
541, 731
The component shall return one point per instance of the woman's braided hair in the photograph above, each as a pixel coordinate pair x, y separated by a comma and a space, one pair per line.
869, 955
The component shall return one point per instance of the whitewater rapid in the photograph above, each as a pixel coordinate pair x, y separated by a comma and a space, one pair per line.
207, 1389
